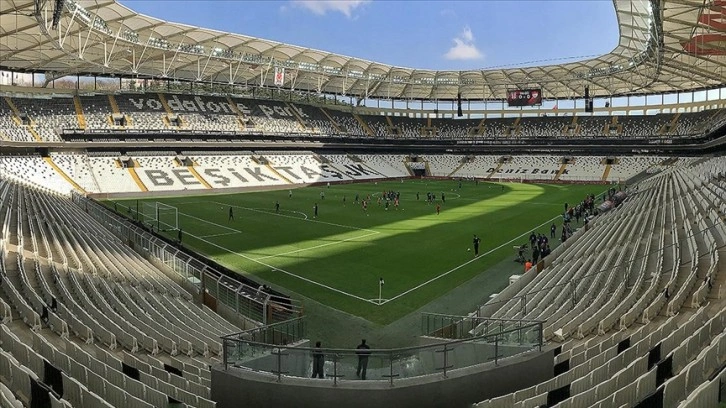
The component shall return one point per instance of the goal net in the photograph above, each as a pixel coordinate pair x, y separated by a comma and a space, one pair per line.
160, 216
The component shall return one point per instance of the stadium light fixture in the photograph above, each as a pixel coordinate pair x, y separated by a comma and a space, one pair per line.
57, 12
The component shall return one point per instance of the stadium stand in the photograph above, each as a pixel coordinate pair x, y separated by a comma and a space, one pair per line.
87, 302
443, 165
97, 112
662, 280
317, 120
145, 110
274, 116
11, 126
49, 115
349, 125
544, 127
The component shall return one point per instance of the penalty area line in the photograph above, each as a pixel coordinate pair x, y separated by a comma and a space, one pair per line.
284, 271
435, 278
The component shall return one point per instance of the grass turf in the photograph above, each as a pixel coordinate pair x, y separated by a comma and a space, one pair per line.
338, 257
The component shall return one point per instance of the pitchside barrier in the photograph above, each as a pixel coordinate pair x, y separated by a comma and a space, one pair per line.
238, 301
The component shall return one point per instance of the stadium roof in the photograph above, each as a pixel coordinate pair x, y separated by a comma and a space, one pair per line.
664, 46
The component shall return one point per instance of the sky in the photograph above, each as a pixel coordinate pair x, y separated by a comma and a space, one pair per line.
438, 35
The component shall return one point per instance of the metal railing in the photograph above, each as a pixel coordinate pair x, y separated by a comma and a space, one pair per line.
241, 298
292, 358
455, 327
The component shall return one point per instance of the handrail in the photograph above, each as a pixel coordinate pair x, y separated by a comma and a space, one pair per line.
294, 360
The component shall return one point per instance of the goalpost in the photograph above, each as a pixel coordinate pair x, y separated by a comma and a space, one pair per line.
161, 216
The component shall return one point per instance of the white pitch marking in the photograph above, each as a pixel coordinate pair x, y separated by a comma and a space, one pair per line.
210, 222
317, 246
297, 218
419, 286
284, 271
218, 235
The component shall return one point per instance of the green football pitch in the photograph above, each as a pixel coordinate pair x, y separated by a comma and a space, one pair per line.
338, 257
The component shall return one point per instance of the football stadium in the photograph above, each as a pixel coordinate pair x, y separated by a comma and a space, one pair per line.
195, 217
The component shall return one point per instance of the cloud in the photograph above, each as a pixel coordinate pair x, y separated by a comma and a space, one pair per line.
464, 47
448, 13
321, 7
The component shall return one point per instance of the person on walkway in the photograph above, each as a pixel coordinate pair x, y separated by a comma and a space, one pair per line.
318, 361
363, 353
527, 265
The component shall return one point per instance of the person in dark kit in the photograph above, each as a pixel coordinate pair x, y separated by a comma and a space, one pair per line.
343, 201
231, 214
318, 361
315, 211
553, 230
277, 206
443, 198
356, 198
179, 235
363, 354
566, 206
476, 243
535, 254
417, 196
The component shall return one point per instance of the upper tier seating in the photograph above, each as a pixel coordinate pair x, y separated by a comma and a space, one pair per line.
349, 124
212, 113
454, 128
231, 114
97, 112
145, 110
273, 116
10, 127
544, 127
49, 116
316, 121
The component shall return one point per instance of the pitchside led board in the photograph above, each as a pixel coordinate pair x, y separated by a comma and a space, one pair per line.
524, 97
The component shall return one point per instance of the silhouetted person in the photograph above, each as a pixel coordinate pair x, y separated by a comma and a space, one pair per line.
363, 354
476, 243
318, 361
231, 214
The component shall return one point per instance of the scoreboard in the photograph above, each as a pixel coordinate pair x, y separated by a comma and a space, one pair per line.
524, 97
